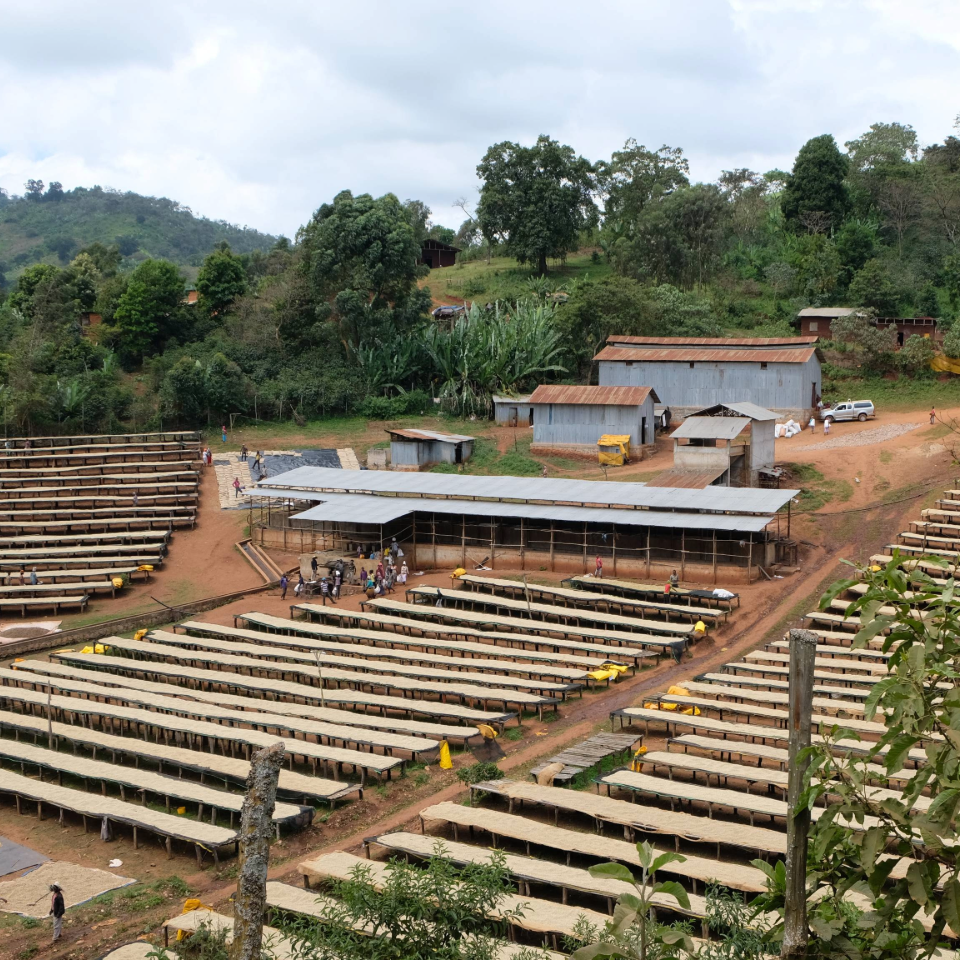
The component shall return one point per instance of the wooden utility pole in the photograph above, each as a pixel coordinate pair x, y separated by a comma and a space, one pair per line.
256, 828
803, 648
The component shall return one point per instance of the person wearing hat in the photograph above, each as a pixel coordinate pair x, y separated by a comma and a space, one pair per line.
57, 910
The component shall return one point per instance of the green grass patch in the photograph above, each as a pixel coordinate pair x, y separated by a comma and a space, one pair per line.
816, 490
904, 393
513, 734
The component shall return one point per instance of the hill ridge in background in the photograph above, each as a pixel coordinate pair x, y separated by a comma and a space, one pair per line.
52, 229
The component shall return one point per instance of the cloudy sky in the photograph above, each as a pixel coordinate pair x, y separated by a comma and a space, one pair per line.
257, 113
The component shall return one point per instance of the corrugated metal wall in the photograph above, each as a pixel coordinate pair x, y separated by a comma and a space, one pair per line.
404, 453
781, 386
505, 412
761, 446
561, 423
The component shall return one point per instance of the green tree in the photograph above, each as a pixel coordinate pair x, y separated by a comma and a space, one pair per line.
872, 809
359, 258
439, 911
21, 298
596, 310
915, 355
884, 152
951, 342
817, 182
537, 200
676, 241
636, 176
856, 243
873, 287
633, 933
150, 309
874, 345
221, 281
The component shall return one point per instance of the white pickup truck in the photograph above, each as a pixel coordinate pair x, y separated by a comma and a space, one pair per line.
851, 410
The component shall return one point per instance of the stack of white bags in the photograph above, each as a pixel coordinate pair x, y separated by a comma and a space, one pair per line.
789, 429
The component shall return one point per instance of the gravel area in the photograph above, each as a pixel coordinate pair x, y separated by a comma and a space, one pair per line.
866, 437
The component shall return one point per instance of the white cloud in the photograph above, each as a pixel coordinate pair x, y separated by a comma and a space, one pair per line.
257, 115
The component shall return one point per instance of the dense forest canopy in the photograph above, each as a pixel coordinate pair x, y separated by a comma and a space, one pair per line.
48, 224
339, 320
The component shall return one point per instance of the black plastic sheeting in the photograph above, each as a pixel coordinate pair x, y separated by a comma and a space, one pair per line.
281, 463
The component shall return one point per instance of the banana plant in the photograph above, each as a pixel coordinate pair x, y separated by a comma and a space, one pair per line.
633, 933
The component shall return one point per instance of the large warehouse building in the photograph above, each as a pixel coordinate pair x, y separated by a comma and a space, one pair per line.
525, 523
780, 374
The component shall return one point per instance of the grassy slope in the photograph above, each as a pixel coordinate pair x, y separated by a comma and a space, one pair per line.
503, 279
158, 226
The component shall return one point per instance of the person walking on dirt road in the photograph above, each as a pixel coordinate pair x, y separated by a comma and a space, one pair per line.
283, 587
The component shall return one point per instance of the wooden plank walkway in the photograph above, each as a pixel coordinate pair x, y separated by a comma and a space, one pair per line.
588, 753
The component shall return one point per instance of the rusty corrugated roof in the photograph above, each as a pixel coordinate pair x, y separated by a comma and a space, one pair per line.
685, 479
725, 342
429, 435
693, 354
592, 396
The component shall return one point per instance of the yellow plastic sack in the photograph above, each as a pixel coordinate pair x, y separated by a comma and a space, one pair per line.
146, 567
617, 667
188, 907
445, 762
101, 648
604, 674
676, 691
691, 711
181, 811
635, 765
118, 582
700, 628
87, 650
486, 731
140, 634
458, 573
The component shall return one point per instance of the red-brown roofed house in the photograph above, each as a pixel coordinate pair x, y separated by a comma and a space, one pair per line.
572, 418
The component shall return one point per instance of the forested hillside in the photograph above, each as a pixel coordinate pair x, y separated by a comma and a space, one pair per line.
49, 225
559, 252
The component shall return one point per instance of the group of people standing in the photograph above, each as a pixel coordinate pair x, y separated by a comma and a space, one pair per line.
382, 579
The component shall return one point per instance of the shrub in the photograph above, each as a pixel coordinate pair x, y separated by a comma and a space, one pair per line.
389, 408
479, 772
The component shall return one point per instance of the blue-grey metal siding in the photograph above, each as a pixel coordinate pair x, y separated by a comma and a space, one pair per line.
421, 453
778, 386
560, 424
405, 453
504, 410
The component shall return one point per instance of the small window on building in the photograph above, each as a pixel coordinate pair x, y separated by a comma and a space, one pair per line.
629, 363
763, 366
691, 366
813, 326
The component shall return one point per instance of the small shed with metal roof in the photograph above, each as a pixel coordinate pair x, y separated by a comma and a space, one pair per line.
413, 449
714, 445
815, 321
760, 439
513, 411
570, 419
781, 374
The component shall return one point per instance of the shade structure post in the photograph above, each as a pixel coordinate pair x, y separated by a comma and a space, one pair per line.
803, 648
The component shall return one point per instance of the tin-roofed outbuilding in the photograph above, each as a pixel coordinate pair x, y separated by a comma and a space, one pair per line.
572, 418
413, 449
513, 411
780, 374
